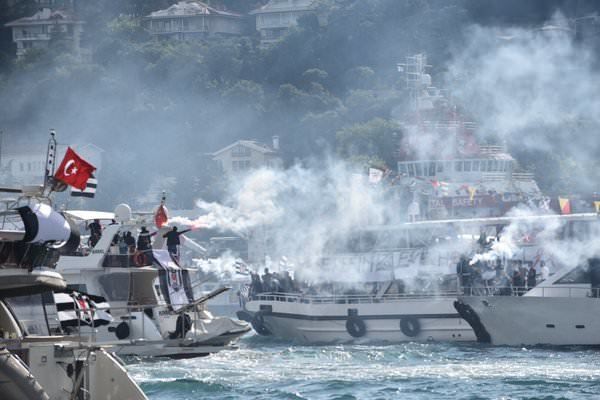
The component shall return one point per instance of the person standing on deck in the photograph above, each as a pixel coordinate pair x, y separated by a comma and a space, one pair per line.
144, 243
95, 232
173, 241
544, 271
531, 277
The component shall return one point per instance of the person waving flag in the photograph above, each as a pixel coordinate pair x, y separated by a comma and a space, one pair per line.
74, 170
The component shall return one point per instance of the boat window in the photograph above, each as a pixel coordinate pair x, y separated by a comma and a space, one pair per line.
29, 311
411, 169
467, 166
418, 171
581, 230
431, 169
78, 287
575, 276
458, 166
115, 286
440, 167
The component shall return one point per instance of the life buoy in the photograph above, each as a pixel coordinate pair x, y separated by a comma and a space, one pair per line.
356, 326
258, 324
139, 259
410, 326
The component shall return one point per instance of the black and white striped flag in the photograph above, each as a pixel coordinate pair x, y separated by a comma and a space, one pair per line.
89, 191
75, 309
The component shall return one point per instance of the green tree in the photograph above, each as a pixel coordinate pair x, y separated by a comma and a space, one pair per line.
377, 138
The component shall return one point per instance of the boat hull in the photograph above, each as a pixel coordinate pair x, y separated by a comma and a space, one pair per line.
530, 320
436, 320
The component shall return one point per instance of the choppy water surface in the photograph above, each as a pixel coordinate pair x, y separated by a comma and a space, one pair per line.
263, 369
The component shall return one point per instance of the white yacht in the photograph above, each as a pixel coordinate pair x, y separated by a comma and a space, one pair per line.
34, 365
561, 310
153, 309
380, 285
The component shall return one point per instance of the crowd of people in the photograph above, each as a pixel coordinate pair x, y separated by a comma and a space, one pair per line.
138, 252
280, 282
512, 277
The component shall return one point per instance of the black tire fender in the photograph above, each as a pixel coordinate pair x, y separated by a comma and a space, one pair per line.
356, 327
258, 324
410, 326
122, 331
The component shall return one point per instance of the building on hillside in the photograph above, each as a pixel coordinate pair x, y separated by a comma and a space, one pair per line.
191, 19
276, 17
45, 27
244, 155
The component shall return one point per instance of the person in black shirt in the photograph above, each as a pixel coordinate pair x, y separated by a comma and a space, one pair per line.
95, 232
531, 277
518, 282
173, 241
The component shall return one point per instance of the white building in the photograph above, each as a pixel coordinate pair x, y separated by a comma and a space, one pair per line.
45, 26
244, 155
276, 17
193, 19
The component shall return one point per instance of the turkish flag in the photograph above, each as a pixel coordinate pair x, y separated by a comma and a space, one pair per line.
161, 217
74, 170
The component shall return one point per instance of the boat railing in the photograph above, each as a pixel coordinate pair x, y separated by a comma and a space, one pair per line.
348, 298
140, 333
536, 291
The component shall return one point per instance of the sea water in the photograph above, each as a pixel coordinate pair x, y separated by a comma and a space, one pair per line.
263, 368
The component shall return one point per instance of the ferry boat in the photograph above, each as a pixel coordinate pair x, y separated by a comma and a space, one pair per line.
383, 287
152, 303
408, 280
35, 365
559, 311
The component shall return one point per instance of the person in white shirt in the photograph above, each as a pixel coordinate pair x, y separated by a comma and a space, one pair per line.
544, 271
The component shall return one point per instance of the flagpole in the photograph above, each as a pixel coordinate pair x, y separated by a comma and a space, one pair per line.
50, 160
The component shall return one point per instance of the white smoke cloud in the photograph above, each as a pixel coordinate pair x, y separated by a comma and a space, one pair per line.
299, 214
533, 88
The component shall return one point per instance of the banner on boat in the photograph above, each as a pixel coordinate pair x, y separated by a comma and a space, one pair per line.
174, 280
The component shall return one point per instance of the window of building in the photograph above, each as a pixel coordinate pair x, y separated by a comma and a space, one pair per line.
467, 166
489, 166
458, 166
440, 167
402, 169
240, 151
411, 169
475, 165
431, 169
418, 171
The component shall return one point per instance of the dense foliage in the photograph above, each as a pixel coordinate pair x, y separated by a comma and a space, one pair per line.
157, 107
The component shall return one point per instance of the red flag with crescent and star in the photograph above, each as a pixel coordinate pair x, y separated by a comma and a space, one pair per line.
74, 170
161, 216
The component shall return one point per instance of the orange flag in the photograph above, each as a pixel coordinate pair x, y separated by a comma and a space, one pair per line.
565, 205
